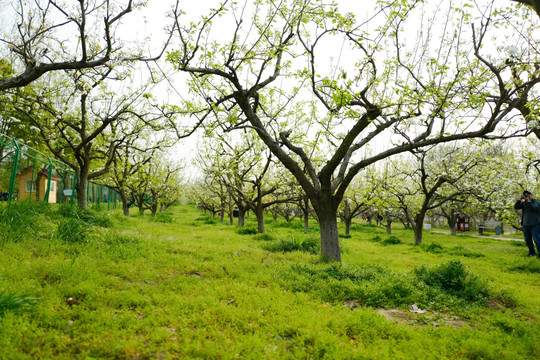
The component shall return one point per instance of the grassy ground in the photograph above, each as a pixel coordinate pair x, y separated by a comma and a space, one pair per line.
101, 286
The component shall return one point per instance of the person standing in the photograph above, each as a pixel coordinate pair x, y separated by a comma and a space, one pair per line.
530, 221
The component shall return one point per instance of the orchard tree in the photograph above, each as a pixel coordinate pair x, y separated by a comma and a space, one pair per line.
442, 87
428, 180
500, 183
358, 200
156, 182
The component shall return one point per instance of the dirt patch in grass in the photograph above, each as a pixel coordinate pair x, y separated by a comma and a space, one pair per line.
413, 319
397, 315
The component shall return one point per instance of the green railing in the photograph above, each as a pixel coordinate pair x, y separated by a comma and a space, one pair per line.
27, 174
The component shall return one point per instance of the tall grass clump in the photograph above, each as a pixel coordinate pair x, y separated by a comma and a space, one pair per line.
163, 217
19, 220
15, 303
264, 237
72, 230
370, 285
293, 224
435, 248
246, 230
205, 219
114, 238
461, 251
310, 245
91, 216
447, 286
391, 240
452, 278
121, 246
531, 266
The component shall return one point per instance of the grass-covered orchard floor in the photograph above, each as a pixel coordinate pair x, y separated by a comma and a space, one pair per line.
185, 286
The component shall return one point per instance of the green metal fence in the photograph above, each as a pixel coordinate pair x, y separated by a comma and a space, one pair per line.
29, 175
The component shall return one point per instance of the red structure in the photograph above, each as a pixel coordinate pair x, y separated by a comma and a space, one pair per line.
462, 223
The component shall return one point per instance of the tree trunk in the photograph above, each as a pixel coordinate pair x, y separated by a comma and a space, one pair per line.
241, 216
80, 188
259, 213
453, 229
231, 217
418, 225
329, 233
348, 222
125, 205
388, 227
452, 222
417, 233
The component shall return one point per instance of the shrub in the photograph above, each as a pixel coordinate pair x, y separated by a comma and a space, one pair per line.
433, 248
453, 279
264, 237
245, 230
310, 245
345, 236
15, 303
376, 238
392, 240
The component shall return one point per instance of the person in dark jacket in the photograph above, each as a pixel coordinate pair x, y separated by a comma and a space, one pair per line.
530, 220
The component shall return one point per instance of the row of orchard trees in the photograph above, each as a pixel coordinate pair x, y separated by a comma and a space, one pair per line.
481, 179
113, 139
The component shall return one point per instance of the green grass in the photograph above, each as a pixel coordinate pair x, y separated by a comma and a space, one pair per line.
188, 286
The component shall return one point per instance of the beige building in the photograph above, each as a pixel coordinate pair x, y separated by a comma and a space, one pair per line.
35, 190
